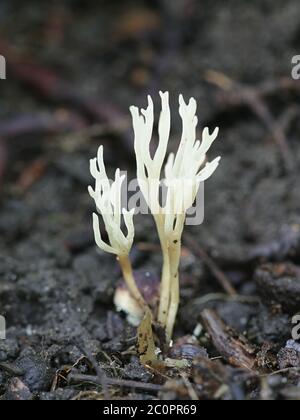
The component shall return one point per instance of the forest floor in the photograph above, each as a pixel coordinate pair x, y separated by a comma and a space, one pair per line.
73, 72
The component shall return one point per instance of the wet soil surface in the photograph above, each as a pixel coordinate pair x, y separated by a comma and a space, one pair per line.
56, 289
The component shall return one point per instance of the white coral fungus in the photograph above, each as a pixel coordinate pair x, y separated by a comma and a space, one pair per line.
184, 169
184, 172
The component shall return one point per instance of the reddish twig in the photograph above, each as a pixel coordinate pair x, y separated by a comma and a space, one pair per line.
32, 173
41, 123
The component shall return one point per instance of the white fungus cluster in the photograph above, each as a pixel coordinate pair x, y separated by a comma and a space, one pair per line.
107, 198
183, 169
184, 172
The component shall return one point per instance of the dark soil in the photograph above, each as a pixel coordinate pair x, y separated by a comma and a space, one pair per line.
56, 289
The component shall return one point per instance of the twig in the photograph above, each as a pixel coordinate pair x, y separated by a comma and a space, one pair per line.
79, 378
41, 123
32, 173
262, 111
238, 352
72, 141
94, 395
278, 372
236, 94
192, 393
288, 116
197, 250
222, 297
272, 87
11, 369
101, 376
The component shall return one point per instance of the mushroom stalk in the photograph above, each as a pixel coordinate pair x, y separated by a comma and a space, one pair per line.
166, 275
126, 268
175, 253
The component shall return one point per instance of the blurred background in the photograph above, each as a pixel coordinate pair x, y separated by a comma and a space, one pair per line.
73, 69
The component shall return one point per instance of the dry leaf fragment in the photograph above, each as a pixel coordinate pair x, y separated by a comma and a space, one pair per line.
146, 345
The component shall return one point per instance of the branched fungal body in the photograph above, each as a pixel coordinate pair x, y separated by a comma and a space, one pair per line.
184, 172
107, 198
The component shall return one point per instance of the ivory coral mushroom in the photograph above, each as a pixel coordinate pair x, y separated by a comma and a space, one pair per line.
107, 198
184, 173
183, 170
